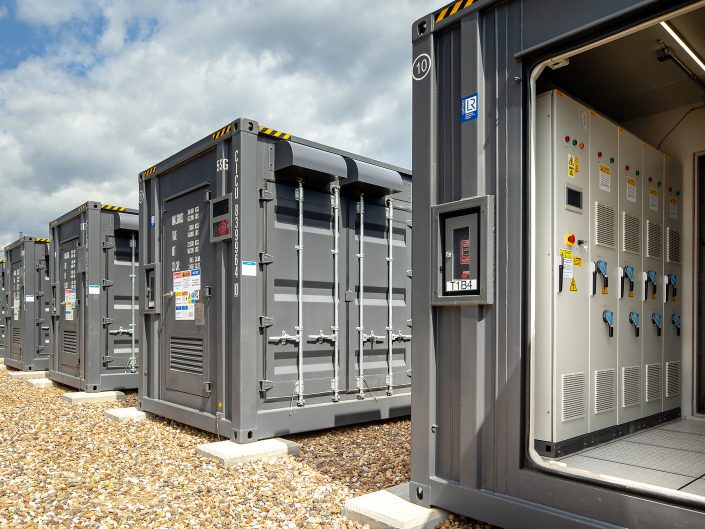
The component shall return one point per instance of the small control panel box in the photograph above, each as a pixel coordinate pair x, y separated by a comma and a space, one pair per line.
463, 242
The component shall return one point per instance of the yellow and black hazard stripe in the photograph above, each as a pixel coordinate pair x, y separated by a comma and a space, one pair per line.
41, 240
221, 132
274, 133
451, 9
113, 208
150, 171
2, 261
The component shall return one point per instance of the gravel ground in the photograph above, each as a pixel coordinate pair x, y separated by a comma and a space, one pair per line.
68, 466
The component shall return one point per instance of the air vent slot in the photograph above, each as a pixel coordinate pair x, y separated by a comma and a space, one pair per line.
631, 386
573, 396
604, 390
604, 225
673, 246
653, 240
16, 336
186, 354
70, 342
673, 379
631, 233
653, 382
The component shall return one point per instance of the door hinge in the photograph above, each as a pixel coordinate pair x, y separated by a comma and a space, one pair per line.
265, 385
41, 266
265, 194
408, 373
41, 348
108, 244
265, 321
207, 387
409, 323
349, 296
265, 258
107, 321
408, 223
38, 294
107, 283
107, 359
408, 273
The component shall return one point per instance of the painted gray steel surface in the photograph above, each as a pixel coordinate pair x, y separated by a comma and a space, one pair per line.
92, 303
246, 345
27, 337
469, 429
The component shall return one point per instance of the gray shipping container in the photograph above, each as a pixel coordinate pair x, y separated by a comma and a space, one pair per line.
27, 340
93, 270
476, 68
275, 275
3, 307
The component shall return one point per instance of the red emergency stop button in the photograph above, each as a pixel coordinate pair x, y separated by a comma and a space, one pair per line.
570, 239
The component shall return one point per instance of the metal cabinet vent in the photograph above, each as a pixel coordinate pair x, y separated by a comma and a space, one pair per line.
573, 396
70, 342
673, 379
653, 240
604, 225
653, 382
16, 336
631, 241
631, 386
186, 354
673, 246
604, 390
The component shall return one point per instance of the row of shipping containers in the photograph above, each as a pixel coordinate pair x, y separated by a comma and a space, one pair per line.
262, 288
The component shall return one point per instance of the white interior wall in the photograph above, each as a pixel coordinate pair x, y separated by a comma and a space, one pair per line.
683, 144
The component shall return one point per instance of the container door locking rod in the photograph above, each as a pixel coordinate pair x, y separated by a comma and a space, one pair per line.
300, 296
336, 293
390, 279
361, 299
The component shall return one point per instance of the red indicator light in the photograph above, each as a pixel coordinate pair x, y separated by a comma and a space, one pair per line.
650, 179
599, 154
222, 227
670, 189
626, 168
567, 139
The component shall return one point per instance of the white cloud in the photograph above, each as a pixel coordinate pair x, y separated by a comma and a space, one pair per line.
80, 122
4, 11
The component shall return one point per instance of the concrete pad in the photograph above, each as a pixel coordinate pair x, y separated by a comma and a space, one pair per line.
125, 414
391, 509
81, 397
228, 453
40, 382
27, 374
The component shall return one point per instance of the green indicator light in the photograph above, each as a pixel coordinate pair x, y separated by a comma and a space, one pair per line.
659, 183
611, 160
678, 193
637, 173
575, 142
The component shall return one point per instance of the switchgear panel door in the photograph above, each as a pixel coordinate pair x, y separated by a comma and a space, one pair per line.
71, 285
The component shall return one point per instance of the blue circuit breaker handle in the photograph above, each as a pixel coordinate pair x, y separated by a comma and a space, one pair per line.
629, 276
657, 321
600, 268
650, 278
608, 318
634, 320
676, 320
672, 285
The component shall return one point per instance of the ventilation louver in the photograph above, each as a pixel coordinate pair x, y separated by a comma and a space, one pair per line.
573, 396
673, 246
631, 234
653, 382
186, 354
604, 225
631, 386
653, 240
604, 390
673, 379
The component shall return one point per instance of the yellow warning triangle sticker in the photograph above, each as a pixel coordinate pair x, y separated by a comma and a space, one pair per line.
573, 286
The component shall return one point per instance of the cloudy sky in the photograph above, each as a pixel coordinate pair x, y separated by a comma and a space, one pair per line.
92, 92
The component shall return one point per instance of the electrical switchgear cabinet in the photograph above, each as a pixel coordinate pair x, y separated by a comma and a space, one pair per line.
275, 285
93, 270
27, 337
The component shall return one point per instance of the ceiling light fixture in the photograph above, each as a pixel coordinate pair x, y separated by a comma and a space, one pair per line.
683, 45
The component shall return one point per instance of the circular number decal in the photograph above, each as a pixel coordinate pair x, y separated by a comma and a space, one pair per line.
421, 66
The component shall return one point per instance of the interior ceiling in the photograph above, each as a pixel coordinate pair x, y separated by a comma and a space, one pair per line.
625, 80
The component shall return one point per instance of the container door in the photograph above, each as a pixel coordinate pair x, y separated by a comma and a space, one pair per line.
186, 307
41, 305
16, 304
70, 294
282, 292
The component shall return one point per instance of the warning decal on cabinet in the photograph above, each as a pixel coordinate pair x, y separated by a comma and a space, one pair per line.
187, 291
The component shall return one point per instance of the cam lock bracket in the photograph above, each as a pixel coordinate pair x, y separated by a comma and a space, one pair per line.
600, 267
634, 320
676, 321
608, 318
656, 319
628, 274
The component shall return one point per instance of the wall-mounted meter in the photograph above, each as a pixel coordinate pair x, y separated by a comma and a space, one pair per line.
463, 238
221, 218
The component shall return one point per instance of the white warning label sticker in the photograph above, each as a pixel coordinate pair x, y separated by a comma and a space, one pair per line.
605, 178
631, 189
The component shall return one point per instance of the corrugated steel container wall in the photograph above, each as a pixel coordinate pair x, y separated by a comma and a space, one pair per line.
27, 339
93, 303
221, 322
3, 308
469, 429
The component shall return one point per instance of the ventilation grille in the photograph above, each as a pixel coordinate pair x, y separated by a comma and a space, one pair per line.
673, 246
631, 386
573, 393
631, 233
673, 379
70, 342
653, 240
604, 390
186, 354
653, 382
604, 225
16, 336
